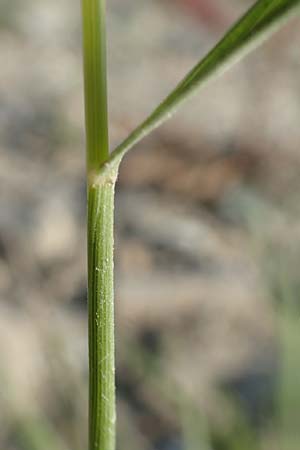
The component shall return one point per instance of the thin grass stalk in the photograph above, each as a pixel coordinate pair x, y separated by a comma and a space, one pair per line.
102, 415
100, 192
252, 29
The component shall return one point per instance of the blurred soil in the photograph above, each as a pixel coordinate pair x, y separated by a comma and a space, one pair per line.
197, 205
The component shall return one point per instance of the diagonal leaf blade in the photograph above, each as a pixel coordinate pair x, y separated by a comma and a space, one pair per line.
259, 22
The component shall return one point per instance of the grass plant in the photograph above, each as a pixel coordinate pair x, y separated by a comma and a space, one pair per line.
252, 29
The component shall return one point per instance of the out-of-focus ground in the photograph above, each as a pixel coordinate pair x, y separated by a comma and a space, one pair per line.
207, 232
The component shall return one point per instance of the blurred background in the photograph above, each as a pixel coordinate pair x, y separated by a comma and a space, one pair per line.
207, 233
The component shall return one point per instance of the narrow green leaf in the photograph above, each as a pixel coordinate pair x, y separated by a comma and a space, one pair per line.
263, 19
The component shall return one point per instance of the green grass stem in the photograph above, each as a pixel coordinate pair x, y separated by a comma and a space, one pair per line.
94, 56
102, 414
253, 28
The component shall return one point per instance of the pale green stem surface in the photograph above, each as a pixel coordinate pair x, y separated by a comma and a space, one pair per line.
94, 56
101, 316
102, 413
262, 20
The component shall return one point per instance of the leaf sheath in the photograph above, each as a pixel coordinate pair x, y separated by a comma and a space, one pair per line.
101, 317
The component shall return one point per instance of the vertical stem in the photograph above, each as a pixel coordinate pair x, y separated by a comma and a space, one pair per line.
94, 55
100, 233
101, 316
